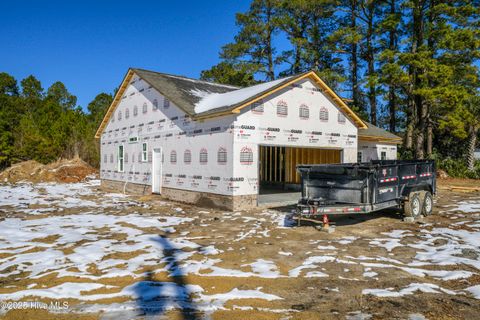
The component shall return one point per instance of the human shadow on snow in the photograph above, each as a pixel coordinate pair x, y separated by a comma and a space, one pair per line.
154, 298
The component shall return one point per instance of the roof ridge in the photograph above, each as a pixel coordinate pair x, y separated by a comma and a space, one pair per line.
188, 78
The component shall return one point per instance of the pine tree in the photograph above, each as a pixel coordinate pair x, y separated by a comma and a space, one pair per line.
253, 46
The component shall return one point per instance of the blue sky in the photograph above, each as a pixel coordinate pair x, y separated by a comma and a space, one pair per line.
89, 45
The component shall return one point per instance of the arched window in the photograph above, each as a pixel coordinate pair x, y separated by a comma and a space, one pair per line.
187, 157
203, 156
155, 104
222, 156
282, 108
304, 112
246, 156
257, 107
119, 115
173, 157
323, 114
135, 111
341, 118
127, 113
145, 108
166, 103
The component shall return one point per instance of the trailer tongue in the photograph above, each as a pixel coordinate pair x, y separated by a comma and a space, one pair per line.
366, 187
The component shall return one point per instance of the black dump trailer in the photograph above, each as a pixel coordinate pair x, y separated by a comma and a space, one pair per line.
356, 188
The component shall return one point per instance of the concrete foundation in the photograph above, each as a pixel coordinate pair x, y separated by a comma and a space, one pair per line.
201, 199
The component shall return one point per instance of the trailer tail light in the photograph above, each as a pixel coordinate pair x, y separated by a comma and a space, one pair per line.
305, 211
388, 179
428, 174
357, 209
352, 209
409, 177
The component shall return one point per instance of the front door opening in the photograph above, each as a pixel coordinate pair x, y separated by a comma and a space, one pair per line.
157, 170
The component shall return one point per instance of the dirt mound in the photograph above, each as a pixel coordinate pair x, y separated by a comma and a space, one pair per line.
442, 174
64, 170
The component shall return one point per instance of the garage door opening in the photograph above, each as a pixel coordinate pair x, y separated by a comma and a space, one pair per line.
277, 169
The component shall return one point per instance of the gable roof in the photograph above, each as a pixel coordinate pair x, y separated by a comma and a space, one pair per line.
375, 133
202, 99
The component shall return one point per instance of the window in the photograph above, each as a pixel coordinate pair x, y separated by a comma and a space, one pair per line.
166, 103
144, 152
187, 157
155, 104
120, 158
222, 156
140, 156
246, 156
359, 156
133, 140
203, 156
135, 111
282, 108
104, 158
119, 115
323, 114
341, 118
257, 107
383, 155
111, 158
126, 157
304, 112
127, 113
173, 157
150, 155
144, 108
133, 157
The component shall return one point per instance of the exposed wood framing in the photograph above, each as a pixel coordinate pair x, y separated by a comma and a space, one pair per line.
380, 139
279, 164
113, 105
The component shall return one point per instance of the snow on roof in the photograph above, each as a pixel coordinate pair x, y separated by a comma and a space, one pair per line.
210, 101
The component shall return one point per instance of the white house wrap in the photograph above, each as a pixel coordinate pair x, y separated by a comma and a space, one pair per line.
213, 144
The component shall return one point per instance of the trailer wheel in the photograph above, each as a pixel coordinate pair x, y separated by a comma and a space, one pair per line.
427, 204
412, 207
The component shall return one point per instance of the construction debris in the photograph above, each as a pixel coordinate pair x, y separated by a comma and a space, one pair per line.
63, 170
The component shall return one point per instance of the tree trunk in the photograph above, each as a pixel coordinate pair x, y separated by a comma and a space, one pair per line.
429, 137
270, 71
421, 108
354, 58
371, 67
392, 102
411, 119
472, 143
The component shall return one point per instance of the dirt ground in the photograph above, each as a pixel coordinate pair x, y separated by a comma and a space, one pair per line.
114, 257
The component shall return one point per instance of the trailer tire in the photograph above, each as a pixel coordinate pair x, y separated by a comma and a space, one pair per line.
412, 207
427, 207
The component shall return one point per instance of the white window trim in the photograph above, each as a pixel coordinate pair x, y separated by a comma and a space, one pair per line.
145, 152
383, 152
122, 159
